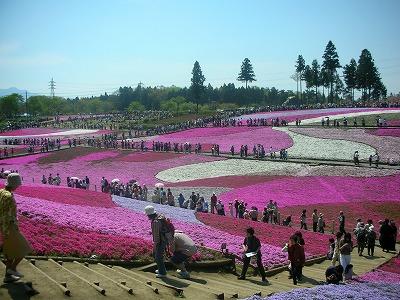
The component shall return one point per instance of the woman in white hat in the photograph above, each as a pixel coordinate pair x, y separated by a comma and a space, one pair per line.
15, 246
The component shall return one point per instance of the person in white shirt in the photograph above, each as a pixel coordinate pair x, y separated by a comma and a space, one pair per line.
182, 248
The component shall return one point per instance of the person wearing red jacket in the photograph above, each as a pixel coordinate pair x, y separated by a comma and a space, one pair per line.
297, 258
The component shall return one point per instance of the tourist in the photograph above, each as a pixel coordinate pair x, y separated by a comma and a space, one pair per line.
252, 247
315, 220
394, 234
334, 275
287, 221
271, 208
303, 220
160, 240
181, 199
371, 239
321, 223
296, 257
145, 192
230, 206
276, 214
341, 222
336, 251
386, 236
220, 208
331, 249
213, 202
253, 213
15, 246
345, 249
44, 180
356, 158
361, 236
182, 248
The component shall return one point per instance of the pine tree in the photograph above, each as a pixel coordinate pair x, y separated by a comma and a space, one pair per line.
367, 74
316, 77
331, 63
197, 86
246, 73
350, 76
300, 67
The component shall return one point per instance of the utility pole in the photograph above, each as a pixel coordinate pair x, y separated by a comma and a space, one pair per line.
52, 85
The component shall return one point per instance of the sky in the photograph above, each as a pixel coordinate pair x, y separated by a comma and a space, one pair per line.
94, 46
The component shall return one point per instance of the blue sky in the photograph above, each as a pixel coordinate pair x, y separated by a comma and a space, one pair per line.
94, 46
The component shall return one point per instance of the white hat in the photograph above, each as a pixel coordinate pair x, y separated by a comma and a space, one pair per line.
149, 210
13, 180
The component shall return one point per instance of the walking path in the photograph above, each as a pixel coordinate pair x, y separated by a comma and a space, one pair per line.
97, 281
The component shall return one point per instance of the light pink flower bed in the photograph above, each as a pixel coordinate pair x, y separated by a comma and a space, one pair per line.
387, 146
380, 276
110, 164
292, 115
228, 136
292, 191
30, 131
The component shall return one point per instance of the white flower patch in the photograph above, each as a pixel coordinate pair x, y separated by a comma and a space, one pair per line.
58, 133
318, 148
227, 167
348, 115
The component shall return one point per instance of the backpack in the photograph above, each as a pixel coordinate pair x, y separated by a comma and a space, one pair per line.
167, 229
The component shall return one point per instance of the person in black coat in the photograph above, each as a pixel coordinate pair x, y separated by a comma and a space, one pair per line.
252, 244
386, 236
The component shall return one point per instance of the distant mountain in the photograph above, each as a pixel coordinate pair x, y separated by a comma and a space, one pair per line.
12, 90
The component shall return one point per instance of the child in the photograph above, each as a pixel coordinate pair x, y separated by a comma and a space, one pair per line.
329, 255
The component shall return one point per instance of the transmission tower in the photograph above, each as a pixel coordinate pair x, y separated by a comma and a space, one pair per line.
52, 87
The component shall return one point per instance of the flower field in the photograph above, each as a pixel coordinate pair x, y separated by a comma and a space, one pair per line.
50, 132
228, 136
387, 291
386, 146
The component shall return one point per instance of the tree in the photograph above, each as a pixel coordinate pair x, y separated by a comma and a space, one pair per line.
246, 73
350, 76
316, 77
300, 67
330, 64
197, 86
367, 74
135, 106
9, 105
308, 77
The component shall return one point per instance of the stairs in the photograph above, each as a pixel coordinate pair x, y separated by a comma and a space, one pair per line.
82, 281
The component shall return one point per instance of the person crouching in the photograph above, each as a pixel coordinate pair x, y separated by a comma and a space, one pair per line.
182, 248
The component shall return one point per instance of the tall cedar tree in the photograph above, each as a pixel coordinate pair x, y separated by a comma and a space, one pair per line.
367, 74
350, 76
331, 63
316, 77
197, 86
246, 73
300, 67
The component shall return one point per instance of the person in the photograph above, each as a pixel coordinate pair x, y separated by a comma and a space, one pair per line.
345, 248
230, 209
331, 249
356, 158
315, 220
334, 274
296, 257
361, 238
371, 239
253, 213
336, 252
15, 246
251, 244
181, 199
392, 224
213, 203
386, 235
341, 222
160, 240
321, 223
182, 248
303, 220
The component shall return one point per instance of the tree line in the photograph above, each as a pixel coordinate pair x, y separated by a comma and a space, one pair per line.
362, 75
